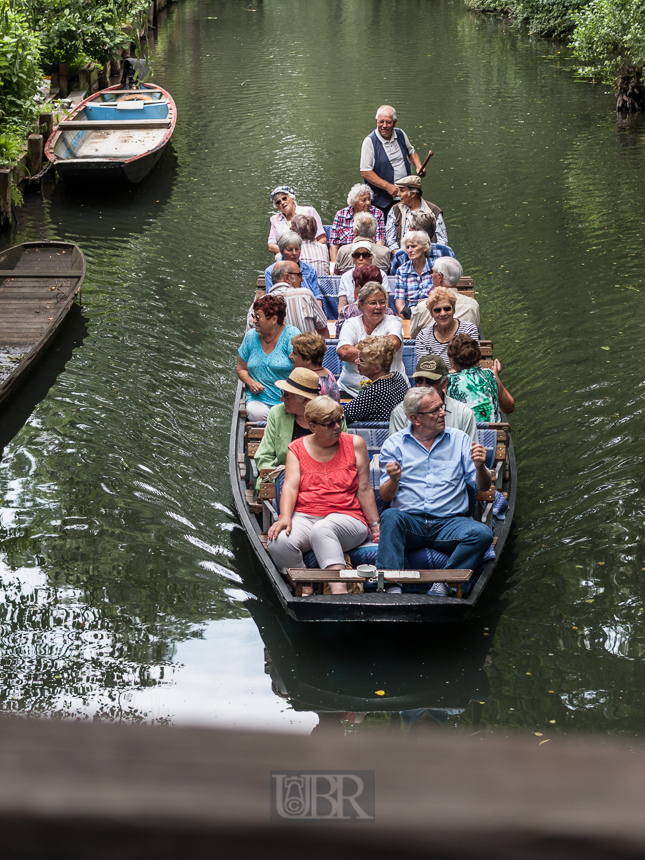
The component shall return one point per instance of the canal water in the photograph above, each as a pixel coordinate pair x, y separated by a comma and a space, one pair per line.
128, 590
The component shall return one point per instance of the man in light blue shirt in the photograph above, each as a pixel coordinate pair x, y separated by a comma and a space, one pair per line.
290, 245
425, 470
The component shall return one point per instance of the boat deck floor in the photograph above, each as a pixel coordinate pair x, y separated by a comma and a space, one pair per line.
30, 303
117, 143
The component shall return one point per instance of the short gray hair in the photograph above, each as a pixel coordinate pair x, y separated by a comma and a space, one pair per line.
365, 226
289, 239
450, 268
387, 108
357, 191
413, 398
371, 288
281, 269
419, 236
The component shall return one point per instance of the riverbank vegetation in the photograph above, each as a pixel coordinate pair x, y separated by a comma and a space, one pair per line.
607, 37
36, 36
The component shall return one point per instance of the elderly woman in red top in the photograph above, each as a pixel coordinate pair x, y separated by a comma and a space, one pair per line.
327, 502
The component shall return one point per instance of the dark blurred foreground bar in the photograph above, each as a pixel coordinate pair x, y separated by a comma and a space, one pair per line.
82, 790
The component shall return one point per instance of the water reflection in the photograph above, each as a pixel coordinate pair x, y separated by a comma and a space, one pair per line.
116, 505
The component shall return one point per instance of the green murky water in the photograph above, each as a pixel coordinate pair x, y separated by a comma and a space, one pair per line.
127, 589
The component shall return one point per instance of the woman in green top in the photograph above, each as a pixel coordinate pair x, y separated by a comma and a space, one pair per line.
477, 387
286, 421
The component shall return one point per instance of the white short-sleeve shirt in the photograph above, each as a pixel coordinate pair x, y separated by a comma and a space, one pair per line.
392, 150
352, 334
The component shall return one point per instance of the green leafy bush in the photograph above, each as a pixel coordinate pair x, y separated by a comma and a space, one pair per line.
609, 38
541, 17
78, 31
20, 75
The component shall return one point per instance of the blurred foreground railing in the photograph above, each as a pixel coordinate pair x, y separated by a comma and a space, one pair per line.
82, 790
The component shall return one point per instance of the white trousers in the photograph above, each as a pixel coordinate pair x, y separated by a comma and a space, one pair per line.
256, 410
329, 537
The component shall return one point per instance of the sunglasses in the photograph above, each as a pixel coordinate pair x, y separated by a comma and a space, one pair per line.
361, 256
328, 425
444, 309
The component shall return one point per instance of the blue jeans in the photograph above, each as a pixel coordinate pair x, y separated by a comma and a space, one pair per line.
466, 540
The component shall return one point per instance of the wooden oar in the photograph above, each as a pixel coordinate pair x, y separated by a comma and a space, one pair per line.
423, 166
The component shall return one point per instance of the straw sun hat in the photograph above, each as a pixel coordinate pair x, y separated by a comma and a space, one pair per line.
300, 381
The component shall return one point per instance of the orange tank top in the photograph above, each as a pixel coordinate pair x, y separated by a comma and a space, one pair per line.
328, 488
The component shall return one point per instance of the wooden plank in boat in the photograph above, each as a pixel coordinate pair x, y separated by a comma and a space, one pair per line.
37, 274
314, 574
108, 125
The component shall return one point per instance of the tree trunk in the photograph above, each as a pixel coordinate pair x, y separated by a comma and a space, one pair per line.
630, 92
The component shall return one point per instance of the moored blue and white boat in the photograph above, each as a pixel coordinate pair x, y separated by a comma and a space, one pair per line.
115, 134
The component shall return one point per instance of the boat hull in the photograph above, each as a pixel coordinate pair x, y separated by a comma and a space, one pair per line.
112, 154
39, 282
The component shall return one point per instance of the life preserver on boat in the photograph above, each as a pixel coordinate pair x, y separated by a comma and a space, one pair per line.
137, 97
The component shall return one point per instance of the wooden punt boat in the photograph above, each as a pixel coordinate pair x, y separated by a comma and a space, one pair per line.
256, 510
115, 134
38, 284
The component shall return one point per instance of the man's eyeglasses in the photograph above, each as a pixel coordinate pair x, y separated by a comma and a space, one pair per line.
296, 274
360, 256
433, 412
329, 424
445, 309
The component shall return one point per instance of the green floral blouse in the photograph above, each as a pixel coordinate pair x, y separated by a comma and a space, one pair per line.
477, 388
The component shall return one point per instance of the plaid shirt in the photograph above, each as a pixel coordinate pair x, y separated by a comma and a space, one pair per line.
412, 288
342, 231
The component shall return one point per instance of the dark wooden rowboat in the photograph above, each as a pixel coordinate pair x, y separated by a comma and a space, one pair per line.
38, 284
115, 134
367, 606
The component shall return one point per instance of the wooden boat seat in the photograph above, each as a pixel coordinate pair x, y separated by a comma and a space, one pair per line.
109, 125
454, 578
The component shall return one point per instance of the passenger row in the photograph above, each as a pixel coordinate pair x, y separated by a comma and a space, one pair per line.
406, 360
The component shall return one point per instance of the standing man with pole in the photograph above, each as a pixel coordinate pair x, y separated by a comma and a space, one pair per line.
385, 157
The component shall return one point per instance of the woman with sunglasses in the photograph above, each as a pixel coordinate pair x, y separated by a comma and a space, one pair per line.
284, 200
361, 257
327, 503
435, 338
263, 357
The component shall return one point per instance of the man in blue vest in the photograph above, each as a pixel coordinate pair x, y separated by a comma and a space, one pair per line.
385, 157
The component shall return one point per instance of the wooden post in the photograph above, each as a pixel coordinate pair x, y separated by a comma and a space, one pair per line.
5, 198
62, 79
35, 153
46, 125
104, 76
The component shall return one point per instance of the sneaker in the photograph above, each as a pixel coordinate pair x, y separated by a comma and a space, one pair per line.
439, 589
394, 589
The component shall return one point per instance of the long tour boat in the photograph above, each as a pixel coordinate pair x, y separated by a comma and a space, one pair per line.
369, 600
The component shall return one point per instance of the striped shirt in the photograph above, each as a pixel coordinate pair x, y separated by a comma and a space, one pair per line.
303, 311
342, 231
427, 343
316, 255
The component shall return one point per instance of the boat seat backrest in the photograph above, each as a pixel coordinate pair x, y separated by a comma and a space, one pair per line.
329, 287
374, 437
327, 229
488, 438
